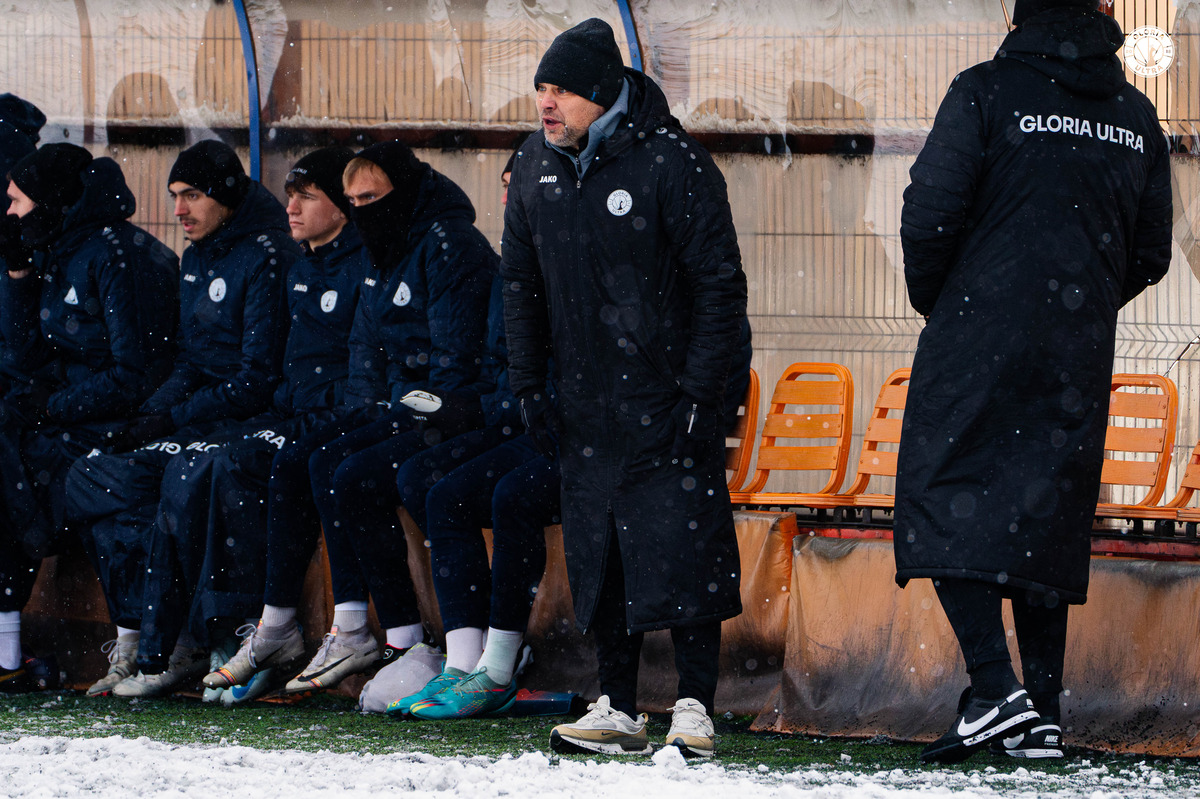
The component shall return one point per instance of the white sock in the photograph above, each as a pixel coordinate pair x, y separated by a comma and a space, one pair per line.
10, 639
350, 615
406, 636
500, 655
124, 631
463, 648
275, 616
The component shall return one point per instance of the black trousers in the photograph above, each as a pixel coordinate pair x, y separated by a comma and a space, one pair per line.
974, 608
697, 647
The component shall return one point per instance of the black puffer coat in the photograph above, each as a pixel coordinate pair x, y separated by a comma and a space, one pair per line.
232, 317
99, 325
631, 279
1040, 204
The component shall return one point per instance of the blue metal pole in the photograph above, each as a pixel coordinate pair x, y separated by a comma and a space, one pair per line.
239, 7
635, 52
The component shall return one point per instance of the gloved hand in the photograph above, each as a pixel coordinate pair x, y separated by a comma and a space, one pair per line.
441, 415
145, 429
18, 257
697, 425
541, 422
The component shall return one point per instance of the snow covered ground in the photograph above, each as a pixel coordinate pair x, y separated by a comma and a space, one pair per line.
35, 767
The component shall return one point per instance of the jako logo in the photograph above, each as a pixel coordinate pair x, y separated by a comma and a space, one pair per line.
548, 179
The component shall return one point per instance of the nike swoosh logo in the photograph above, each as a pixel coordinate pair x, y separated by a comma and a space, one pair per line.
966, 730
312, 677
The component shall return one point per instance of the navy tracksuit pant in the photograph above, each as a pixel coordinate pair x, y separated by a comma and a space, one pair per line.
344, 475
514, 490
112, 501
33, 468
208, 543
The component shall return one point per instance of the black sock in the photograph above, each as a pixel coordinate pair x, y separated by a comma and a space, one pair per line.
993, 680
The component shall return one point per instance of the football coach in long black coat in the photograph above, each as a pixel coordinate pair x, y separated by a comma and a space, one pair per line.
1039, 206
620, 259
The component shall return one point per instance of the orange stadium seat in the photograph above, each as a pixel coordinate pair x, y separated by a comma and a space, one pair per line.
737, 457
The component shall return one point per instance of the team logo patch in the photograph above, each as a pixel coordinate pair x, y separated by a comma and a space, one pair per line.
72, 298
620, 202
1149, 51
403, 295
216, 290
329, 301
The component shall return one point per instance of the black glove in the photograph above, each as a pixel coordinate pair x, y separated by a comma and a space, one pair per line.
145, 429
17, 255
541, 423
441, 415
697, 424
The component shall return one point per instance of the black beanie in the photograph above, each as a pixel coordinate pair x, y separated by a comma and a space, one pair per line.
323, 168
51, 176
585, 60
212, 167
22, 115
1024, 9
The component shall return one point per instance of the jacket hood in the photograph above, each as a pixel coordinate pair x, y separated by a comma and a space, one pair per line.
1077, 50
439, 198
648, 110
259, 213
106, 200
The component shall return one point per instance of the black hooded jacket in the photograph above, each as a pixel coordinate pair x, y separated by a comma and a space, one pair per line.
100, 322
1040, 204
232, 317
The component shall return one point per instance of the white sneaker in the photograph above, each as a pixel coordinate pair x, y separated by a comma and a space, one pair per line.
341, 654
691, 729
122, 653
262, 647
186, 666
603, 729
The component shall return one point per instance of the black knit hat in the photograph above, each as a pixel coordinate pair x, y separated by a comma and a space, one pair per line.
323, 168
51, 176
1024, 9
585, 60
214, 168
22, 115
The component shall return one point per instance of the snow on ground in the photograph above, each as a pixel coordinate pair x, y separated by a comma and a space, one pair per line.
41, 767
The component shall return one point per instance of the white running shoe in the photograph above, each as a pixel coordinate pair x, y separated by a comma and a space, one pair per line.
122, 654
342, 653
186, 666
691, 729
262, 647
604, 729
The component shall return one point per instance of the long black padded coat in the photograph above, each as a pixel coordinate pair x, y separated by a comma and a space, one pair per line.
631, 278
1039, 205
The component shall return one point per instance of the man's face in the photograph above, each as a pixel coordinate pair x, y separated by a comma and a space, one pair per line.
198, 213
504, 179
565, 115
19, 204
312, 216
367, 186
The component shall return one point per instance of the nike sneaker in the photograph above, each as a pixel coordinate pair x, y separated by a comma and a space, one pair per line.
691, 729
474, 695
262, 647
341, 654
402, 707
33, 674
979, 721
603, 729
1044, 740
187, 664
122, 653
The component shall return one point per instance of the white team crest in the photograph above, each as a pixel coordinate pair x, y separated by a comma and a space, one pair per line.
72, 298
1149, 51
216, 290
403, 295
619, 202
329, 301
